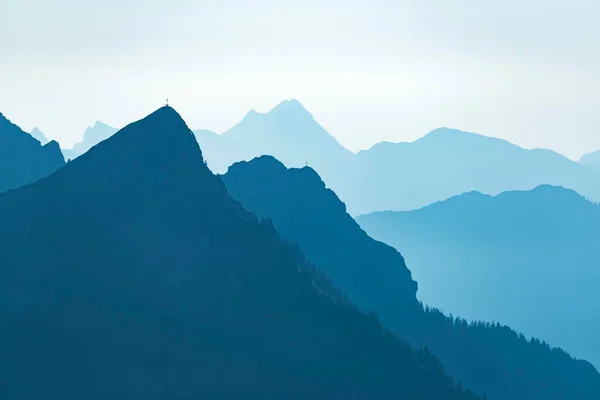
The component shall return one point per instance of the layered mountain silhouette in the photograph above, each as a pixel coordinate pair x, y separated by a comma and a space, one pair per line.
449, 162
23, 159
39, 135
143, 279
91, 137
395, 176
489, 358
591, 160
529, 259
288, 132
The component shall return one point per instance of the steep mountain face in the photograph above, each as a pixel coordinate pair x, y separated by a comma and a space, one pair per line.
541, 246
270, 190
490, 358
39, 136
591, 160
288, 132
23, 159
91, 137
168, 288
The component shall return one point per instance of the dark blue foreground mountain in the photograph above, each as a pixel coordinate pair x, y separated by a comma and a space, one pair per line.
23, 159
143, 279
530, 259
489, 358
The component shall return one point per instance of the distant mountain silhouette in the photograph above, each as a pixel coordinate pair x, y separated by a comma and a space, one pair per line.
448, 162
591, 160
23, 159
490, 358
91, 137
37, 134
529, 259
395, 176
143, 279
288, 132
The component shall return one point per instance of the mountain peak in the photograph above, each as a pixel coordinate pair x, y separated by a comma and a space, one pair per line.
164, 128
445, 132
287, 108
23, 159
291, 106
37, 134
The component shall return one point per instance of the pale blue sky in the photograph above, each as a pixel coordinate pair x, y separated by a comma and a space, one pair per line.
526, 71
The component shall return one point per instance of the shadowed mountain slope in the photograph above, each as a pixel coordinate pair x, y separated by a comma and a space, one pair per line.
143, 279
541, 246
490, 358
23, 159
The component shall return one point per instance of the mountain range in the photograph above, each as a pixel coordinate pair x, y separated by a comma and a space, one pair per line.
157, 283
489, 358
23, 159
140, 277
288, 132
395, 176
528, 259
388, 176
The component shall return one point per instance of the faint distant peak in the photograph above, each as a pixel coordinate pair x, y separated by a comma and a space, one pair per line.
99, 125
590, 158
251, 114
37, 134
291, 106
287, 108
446, 133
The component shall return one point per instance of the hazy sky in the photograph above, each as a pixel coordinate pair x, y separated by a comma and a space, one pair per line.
524, 70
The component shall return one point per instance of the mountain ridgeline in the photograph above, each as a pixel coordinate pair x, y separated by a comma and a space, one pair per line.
541, 246
395, 176
288, 132
142, 278
488, 358
23, 159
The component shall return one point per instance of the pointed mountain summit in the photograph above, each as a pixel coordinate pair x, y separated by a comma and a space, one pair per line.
39, 135
23, 159
144, 279
491, 358
288, 132
541, 246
